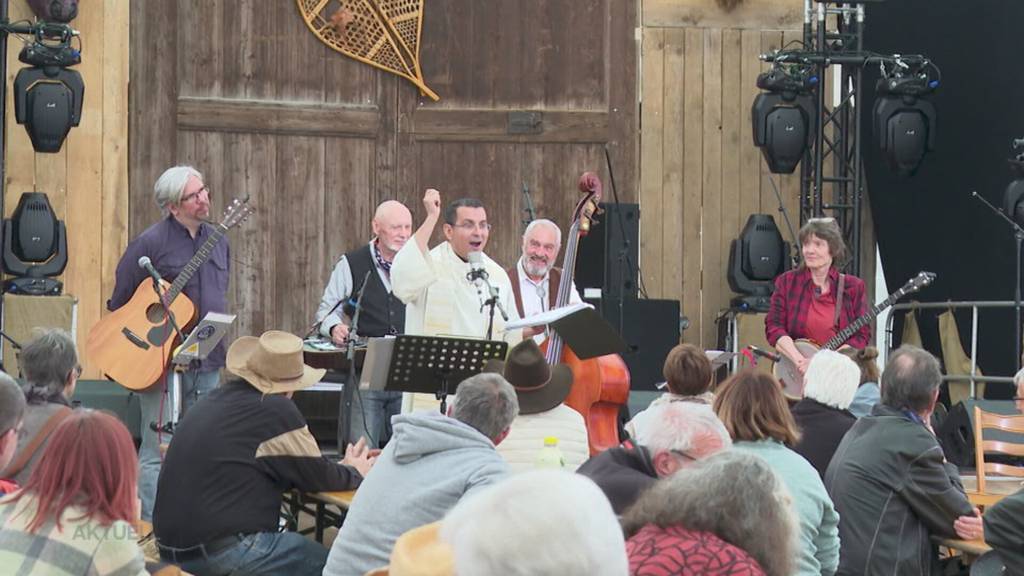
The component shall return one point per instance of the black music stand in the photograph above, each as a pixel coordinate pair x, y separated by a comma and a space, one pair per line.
436, 364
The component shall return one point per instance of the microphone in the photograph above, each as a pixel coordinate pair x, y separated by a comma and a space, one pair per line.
764, 353
146, 264
476, 264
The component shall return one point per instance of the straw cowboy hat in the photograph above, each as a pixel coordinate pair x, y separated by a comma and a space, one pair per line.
539, 386
272, 363
419, 552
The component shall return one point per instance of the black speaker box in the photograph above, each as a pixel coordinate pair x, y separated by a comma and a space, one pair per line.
956, 434
609, 255
650, 329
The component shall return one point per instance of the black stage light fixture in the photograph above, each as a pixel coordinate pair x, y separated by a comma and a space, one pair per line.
904, 121
35, 247
784, 116
1013, 198
48, 96
755, 259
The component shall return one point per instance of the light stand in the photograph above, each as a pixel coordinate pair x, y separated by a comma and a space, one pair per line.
349, 389
1018, 238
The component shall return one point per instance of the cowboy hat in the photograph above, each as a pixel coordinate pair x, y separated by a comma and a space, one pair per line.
420, 552
540, 387
272, 363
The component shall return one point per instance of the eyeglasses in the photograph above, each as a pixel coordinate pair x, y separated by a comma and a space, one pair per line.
684, 455
470, 226
196, 194
77, 371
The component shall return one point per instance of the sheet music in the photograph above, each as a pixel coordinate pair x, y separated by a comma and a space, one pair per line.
548, 317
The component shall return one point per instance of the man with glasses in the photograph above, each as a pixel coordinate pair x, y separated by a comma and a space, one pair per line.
170, 244
436, 285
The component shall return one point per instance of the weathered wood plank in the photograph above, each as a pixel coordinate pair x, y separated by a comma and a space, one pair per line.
674, 146
20, 162
494, 125
748, 14
714, 289
652, 160
217, 114
750, 156
734, 116
692, 245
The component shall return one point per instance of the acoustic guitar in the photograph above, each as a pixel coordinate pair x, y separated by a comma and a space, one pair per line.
787, 372
132, 344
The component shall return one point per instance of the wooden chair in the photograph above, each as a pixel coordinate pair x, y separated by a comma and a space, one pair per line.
990, 421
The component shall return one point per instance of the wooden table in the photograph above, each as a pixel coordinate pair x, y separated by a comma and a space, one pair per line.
970, 550
316, 504
998, 487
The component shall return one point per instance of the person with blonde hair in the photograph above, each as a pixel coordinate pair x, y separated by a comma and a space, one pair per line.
754, 411
728, 514
822, 415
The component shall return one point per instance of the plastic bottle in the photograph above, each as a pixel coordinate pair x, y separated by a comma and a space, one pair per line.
550, 456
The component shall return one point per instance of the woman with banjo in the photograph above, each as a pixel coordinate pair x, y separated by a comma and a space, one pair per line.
814, 301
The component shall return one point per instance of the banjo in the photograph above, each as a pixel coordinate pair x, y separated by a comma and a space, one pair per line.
787, 372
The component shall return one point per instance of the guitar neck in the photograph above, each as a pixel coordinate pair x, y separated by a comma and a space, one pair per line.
197, 260
843, 335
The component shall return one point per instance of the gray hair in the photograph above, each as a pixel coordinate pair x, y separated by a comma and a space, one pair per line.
910, 379
46, 362
543, 222
12, 404
171, 184
685, 427
537, 522
832, 379
732, 494
1018, 378
486, 402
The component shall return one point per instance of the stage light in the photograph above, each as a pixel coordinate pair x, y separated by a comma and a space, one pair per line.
35, 247
784, 116
1013, 201
756, 257
904, 121
48, 96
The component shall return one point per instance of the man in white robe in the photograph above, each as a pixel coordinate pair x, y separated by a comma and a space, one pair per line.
440, 299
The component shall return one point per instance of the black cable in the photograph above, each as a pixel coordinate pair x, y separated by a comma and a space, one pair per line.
624, 251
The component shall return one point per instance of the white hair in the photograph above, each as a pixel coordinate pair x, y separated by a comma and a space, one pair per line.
543, 222
1018, 378
832, 379
171, 184
684, 427
538, 523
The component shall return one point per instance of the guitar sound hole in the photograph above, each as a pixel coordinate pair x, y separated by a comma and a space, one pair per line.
155, 313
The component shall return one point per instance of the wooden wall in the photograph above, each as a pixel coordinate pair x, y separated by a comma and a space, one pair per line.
700, 175
243, 91
87, 181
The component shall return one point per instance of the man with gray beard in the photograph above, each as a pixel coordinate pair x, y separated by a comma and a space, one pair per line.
535, 279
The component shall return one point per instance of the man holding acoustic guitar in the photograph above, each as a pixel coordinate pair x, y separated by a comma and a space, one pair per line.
185, 247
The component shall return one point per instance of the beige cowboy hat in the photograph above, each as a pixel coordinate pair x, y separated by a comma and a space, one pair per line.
272, 363
539, 386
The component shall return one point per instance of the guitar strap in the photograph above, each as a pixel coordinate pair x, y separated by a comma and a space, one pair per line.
33, 444
839, 300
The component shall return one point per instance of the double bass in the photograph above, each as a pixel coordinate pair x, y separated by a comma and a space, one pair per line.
600, 385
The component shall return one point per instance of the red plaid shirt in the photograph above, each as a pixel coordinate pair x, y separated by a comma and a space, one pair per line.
791, 301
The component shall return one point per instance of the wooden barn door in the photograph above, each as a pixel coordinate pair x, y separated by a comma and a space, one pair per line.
531, 91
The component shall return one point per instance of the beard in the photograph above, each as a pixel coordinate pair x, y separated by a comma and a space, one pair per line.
536, 268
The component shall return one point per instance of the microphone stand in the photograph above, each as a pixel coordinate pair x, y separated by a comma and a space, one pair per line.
1018, 236
349, 389
168, 427
493, 302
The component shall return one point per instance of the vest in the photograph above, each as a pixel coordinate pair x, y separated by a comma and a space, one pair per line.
382, 312
554, 279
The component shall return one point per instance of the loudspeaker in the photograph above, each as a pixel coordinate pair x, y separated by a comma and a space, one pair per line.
651, 329
956, 434
609, 255
112, 397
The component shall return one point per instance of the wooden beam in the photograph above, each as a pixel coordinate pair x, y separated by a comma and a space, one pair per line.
746, 14
227, 115
551, 126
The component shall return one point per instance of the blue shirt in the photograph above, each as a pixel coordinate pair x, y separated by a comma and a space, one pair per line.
170, 247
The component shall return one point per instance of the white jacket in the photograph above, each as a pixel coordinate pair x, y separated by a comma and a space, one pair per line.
526, 438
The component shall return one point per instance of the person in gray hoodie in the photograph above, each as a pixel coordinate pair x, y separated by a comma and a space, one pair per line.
431, 462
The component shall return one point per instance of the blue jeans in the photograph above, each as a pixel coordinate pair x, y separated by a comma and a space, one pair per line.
371, 416
271, 553
194, 385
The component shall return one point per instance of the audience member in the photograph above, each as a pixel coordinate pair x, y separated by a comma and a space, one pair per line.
12, 414
1004, 531
540, 523
726, 515
678, 434
218, 500
822, 416
50, 367
687, 372
431, 462
1018, 397
540, 389
890, 482
868, 393
754, 411
75, 512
